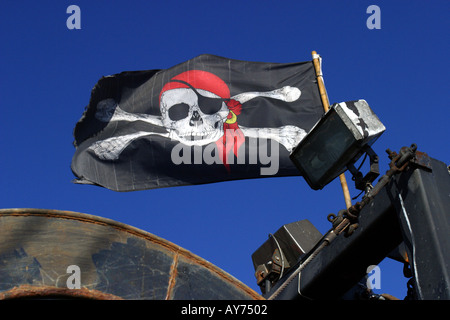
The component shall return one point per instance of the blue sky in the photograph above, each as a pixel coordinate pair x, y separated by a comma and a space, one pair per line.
48, 72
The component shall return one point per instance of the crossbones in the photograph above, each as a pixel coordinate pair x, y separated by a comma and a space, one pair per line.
187, 119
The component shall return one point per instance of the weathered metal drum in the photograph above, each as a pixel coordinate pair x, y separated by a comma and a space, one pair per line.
43, 253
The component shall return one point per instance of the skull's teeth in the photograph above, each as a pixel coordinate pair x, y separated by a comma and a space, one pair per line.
196, 136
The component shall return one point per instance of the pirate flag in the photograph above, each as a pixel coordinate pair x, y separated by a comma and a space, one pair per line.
206, 120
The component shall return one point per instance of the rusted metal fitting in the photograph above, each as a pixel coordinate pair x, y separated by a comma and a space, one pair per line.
401, 160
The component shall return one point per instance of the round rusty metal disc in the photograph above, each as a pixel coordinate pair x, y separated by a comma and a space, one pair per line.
116, 261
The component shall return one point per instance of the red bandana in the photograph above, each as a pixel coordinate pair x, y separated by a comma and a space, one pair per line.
232, 137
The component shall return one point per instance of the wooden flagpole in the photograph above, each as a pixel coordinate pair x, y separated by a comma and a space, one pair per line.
326, 107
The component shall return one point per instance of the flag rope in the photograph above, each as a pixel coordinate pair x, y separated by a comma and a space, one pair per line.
326, 106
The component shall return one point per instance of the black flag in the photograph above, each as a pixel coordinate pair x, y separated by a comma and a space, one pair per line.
209, 119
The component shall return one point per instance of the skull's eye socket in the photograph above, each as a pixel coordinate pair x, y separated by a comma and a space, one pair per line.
179, 111
209, 105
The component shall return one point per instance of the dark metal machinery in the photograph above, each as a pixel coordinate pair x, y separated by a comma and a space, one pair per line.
408, 207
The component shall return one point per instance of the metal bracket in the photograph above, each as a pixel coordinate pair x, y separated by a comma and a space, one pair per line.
362, 182
268, 274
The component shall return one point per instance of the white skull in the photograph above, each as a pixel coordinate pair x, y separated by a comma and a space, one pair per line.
189, 122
